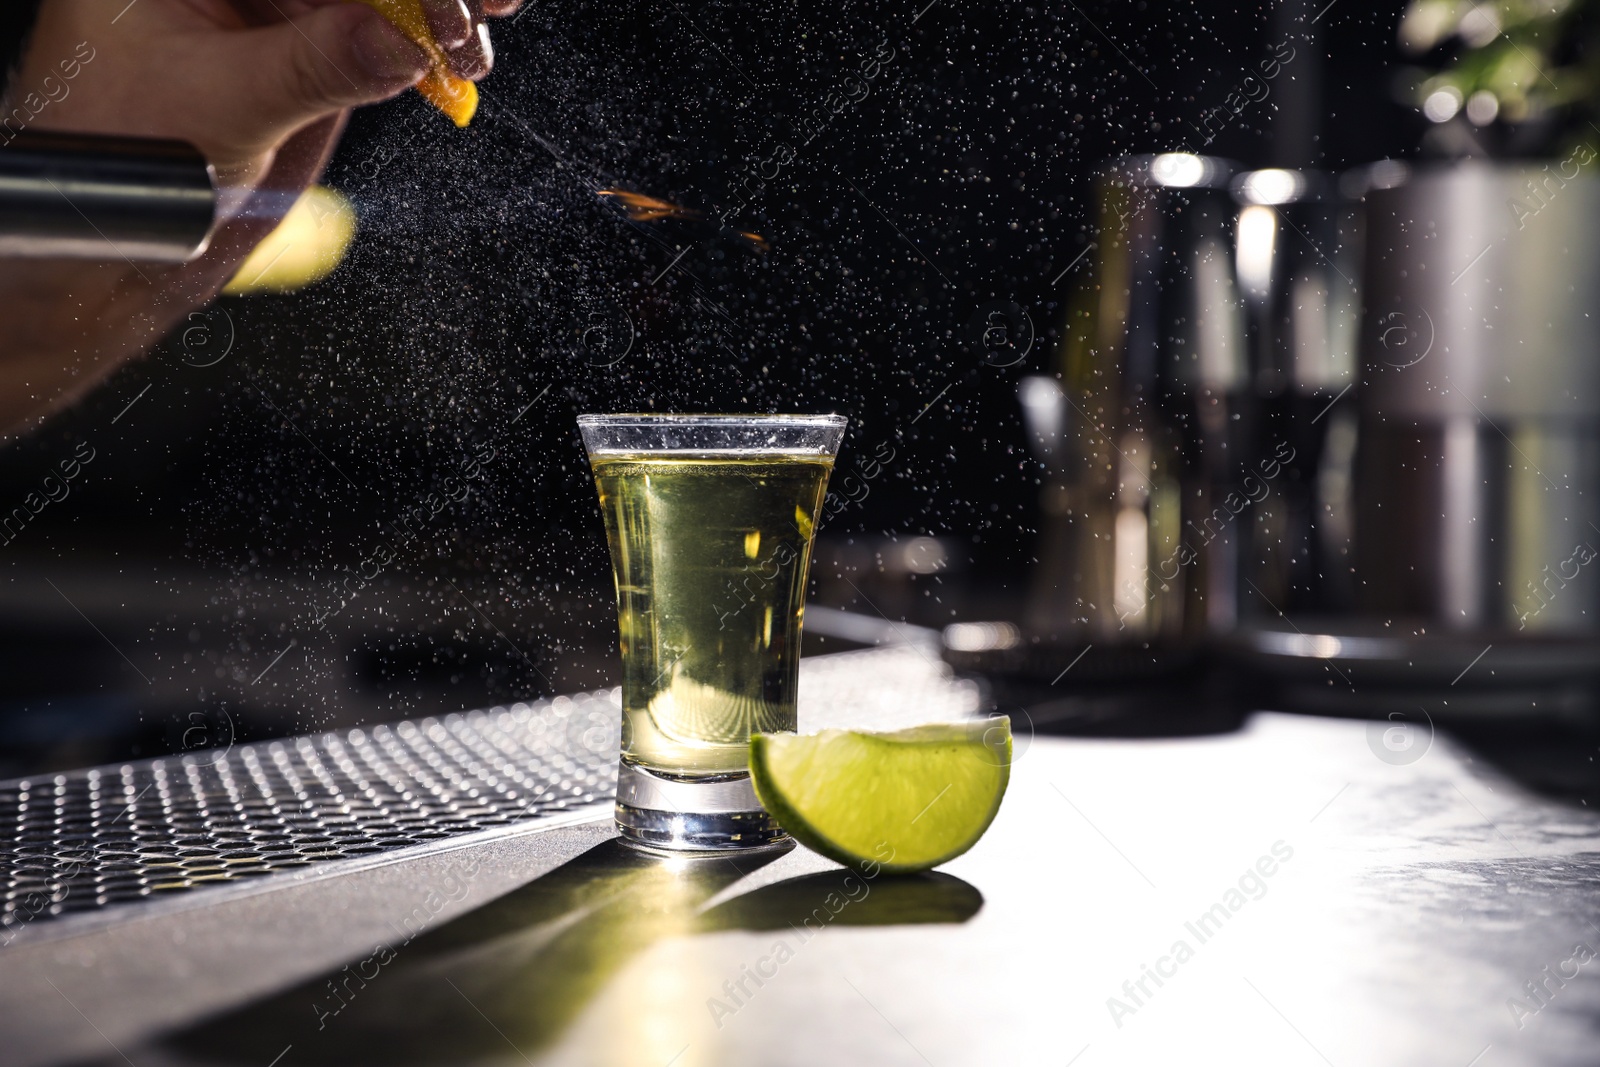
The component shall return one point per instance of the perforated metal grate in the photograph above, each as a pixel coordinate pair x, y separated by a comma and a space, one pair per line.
88, 839
70, 842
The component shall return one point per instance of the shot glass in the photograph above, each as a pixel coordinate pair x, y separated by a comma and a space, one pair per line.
710, 521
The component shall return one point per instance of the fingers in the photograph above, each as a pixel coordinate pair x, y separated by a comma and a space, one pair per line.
468, 48
451, 22
386, 59
475, 58
469, 52
324, 61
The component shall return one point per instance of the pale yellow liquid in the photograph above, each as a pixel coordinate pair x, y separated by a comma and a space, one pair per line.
710, 553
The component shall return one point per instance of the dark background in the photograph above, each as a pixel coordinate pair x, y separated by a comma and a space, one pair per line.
173, 600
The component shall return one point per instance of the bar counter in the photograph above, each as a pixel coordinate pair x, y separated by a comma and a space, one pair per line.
1291, 892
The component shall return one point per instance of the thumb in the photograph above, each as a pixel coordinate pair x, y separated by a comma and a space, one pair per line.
326, 60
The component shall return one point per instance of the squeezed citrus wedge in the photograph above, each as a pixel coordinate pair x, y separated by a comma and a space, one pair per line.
903, 801
305, 248
456, 97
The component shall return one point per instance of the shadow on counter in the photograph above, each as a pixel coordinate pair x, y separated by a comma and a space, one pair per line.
516, 973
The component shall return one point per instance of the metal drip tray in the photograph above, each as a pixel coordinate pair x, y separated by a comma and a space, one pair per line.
90, 840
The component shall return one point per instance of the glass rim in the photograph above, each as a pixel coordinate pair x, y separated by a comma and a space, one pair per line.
641, 418
640, 433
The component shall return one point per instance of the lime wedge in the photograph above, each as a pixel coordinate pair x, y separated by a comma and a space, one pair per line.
902, 801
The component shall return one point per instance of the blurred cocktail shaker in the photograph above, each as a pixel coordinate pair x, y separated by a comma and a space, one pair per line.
1479, 456
1152, 425
1297, 247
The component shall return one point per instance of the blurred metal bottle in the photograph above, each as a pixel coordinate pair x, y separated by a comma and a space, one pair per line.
1148, 405
1298, 251
1479, 456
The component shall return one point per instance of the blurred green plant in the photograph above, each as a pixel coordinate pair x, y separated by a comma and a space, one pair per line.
1520, 63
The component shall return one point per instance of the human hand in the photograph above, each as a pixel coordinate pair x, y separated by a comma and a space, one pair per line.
261, 87
236, 78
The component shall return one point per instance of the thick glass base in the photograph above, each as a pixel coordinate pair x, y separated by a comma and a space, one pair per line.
692, 815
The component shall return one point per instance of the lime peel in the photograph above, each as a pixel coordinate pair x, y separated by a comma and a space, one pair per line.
900, 802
